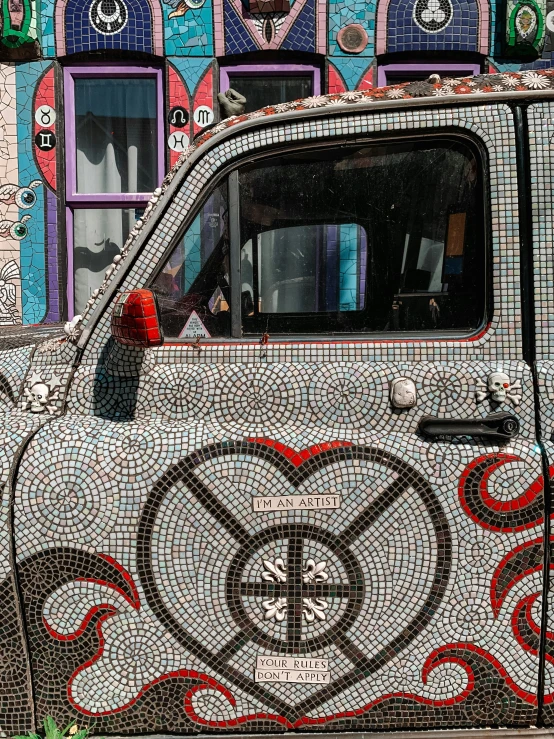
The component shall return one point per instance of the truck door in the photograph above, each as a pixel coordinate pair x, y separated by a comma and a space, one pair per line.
319, 504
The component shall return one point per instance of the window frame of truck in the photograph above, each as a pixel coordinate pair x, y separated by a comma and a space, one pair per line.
230, 175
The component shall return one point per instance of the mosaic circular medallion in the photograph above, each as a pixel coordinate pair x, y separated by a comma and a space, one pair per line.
352, 38
108, 16
433, 16
295, 590
526, 21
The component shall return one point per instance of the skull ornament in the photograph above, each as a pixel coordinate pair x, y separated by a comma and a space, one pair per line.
498, 384
39, 397
499, 389
40, 393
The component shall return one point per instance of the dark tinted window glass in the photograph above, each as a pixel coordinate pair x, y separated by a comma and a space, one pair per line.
397, 77
193, 286
116, 134
262, 90
374, 238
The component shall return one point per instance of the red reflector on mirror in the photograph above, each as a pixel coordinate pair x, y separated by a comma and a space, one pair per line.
135, 320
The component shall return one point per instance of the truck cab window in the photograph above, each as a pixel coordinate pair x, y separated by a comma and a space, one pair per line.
193, 285
378, 238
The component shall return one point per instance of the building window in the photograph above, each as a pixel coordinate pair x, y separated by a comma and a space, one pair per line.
270, 84
115, 159
393, 74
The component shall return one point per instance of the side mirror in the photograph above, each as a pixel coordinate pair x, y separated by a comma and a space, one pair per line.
135, 319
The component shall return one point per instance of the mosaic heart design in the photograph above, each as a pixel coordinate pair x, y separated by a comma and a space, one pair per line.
230, 582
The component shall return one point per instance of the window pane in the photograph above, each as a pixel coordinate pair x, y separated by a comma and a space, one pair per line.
193, 286
376, 238
116, 135
305, 269
409, 75
98, 235
261, 90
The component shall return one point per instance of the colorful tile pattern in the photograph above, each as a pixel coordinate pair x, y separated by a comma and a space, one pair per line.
342, 13
335, 83
203, 97
45, 118
177, 98
352, 69
82, 35
32, 245
48, 38
404, 33
10, 292
190, 33
302, 35
366, 82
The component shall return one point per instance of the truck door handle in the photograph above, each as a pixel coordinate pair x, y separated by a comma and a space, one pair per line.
498, 426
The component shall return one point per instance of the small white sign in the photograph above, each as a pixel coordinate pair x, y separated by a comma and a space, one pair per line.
292, 670
194, 328
45, 116
203, 116
178, 141
295, 502
550, 21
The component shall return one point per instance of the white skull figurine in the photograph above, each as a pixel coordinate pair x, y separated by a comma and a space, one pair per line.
40, 393
38, 397
499, 389
498, 384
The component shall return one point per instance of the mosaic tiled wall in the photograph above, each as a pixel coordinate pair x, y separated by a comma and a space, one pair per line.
10, 264
346, 40
33, 229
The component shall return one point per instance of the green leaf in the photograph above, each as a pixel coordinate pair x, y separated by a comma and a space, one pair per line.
50, 728
69, 725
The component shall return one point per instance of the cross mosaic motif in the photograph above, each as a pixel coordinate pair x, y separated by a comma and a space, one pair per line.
312, 607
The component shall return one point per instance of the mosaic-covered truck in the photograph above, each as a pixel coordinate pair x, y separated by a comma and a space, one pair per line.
290, 468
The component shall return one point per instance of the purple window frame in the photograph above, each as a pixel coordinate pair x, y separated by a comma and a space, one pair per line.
270, 69
93, 71
464, 70
99, 200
